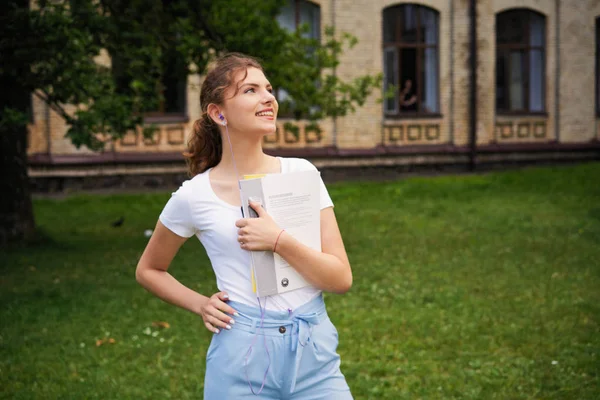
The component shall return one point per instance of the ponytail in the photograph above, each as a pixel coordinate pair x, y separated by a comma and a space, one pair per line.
204, 146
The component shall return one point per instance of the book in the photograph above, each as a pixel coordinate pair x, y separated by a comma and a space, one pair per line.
293, 201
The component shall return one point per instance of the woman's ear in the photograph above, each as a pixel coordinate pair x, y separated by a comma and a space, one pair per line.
215, 114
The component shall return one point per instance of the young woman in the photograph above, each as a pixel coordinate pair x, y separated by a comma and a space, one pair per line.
283, 346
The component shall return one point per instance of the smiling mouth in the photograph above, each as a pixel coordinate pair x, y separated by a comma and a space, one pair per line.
265, 114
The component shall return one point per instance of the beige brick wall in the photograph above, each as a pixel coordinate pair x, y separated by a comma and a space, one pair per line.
460, 65
366, 128
362, 19
37, 142
60, 144
577, 80
486, 62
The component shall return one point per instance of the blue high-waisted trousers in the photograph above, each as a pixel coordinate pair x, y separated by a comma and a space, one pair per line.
299, 362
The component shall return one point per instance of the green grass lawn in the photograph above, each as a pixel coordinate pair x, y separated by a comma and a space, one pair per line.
465, 287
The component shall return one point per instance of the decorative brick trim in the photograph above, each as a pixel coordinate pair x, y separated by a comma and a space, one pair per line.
175, 135
129, 139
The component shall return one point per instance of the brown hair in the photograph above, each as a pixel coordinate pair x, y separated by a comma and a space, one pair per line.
205, 144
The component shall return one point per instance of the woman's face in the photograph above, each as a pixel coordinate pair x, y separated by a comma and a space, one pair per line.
254, 107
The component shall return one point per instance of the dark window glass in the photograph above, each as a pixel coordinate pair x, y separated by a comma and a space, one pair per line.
408, 24
520, 59
173, 86
391, 78
408, 79
511, 27
389, 26
429, 26
429, 79
411, 60
517, 80
310, 14
501, 76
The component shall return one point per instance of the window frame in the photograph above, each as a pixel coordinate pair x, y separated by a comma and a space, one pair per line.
526, 49
297, 7
420, 47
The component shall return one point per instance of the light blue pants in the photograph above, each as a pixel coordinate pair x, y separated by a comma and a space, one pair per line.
294, 354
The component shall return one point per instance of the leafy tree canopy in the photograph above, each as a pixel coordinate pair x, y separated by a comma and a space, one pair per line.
52, 49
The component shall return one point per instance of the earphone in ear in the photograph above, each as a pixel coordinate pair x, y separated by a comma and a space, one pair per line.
222, 118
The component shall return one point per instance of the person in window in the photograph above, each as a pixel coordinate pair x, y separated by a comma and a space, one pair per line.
408, 100
288, 348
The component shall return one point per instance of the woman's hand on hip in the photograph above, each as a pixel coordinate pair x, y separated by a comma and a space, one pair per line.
214, 311
257, 234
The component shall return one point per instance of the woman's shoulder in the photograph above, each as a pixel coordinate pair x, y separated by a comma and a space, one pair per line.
193, 186
297, 164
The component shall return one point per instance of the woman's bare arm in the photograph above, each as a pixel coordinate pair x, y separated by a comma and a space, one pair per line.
151, 273
328, 269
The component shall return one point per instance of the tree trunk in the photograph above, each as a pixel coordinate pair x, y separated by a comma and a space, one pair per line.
16, 211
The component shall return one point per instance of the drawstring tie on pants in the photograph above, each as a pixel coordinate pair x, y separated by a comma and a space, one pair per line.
302, 328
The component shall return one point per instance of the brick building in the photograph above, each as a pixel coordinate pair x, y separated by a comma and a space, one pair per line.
537, 95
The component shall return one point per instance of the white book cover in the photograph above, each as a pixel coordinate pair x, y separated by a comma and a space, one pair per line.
293, 201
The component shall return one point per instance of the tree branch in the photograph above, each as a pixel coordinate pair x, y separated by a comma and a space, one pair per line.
54, 106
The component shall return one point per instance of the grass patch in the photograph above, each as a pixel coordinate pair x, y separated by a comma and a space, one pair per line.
465, 287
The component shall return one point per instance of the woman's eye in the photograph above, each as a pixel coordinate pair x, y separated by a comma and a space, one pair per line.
248, 90
270, 90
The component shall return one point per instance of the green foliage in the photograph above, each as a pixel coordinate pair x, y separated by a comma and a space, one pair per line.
465, 287
314, 88
292, 128
314, 128
53, 48
13, 118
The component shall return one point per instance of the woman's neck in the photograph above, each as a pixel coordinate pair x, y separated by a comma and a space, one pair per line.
248, 158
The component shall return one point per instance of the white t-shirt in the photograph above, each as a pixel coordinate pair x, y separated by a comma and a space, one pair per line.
195, 209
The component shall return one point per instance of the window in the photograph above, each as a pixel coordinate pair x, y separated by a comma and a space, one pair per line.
598, 66
520, 61
297, 12
165, 78
293, 15
172, 86
411, 60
